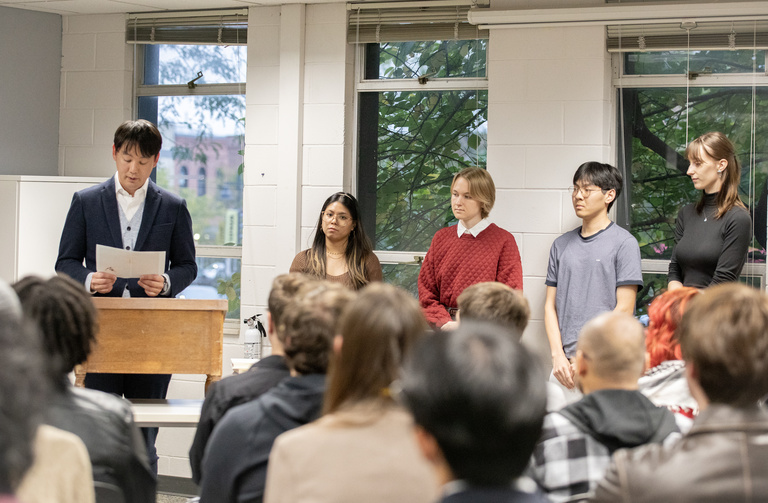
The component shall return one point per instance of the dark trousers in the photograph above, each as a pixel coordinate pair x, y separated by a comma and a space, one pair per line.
134, 386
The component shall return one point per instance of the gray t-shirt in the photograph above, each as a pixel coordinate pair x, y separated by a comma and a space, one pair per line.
586, 273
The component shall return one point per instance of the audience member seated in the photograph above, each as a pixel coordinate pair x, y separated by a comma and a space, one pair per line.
261, 377
495, 302
66, 318
498, 303
61, 472
478, 400
724, 341
235, 462
577, 442
37, 462
664, 382
363, 448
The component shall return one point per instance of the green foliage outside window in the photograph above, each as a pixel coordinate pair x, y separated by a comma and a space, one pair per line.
678, 62
424, 139
413, 142
658, 184
436, 59
657, 125
202, 154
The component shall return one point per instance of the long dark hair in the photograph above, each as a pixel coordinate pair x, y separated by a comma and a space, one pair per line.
378, 329
718, 146
358, 244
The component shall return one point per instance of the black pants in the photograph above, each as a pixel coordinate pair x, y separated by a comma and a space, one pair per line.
134, 386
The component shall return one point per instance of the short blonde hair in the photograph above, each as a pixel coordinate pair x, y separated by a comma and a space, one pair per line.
495, 302
481, 187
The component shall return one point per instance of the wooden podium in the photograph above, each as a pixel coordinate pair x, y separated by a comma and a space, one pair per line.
157, 336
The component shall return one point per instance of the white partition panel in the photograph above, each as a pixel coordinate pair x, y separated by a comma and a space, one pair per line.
34, 209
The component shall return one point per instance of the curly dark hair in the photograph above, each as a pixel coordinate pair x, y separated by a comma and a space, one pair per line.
65, 315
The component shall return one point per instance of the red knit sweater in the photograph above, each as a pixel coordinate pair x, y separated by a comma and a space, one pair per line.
454, 263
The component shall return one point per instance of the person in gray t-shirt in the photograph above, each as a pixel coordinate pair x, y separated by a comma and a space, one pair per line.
592, 269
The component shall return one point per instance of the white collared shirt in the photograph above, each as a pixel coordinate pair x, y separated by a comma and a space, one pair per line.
130, 203
475, 230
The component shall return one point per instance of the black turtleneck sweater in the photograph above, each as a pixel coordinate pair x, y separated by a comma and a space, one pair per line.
709, 250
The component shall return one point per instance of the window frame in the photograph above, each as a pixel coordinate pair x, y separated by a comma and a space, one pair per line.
231, 325
621, 81
363, 85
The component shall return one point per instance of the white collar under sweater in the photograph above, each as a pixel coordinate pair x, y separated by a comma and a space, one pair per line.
475, 230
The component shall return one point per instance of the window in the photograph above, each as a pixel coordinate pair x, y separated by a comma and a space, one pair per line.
666, 99
183, 181
193, 88
423, 114
201, 183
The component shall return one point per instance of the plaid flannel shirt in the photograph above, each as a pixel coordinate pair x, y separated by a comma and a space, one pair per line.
567, 463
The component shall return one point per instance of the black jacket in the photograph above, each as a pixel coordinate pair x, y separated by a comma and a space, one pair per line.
231, 392
104, 423
620, 418
235, 462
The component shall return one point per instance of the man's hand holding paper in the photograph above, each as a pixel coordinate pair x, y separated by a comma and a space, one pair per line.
129, 264
102, 282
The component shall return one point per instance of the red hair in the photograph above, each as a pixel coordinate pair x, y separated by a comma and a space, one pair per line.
664, 314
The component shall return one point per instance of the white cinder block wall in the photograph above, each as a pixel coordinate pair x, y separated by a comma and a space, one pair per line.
96, 92
297, 99
550, 108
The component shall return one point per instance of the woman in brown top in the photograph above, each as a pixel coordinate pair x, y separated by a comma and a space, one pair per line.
341, 252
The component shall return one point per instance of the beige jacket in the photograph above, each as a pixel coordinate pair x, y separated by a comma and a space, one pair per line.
723, 458
61, 472
363, 453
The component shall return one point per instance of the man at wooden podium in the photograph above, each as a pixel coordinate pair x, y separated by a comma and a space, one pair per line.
129, 211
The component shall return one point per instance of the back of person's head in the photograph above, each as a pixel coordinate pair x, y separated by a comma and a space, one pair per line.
495, 302
481, 187
9, 301
285, 288
614, 345
482, 396
664, 315
65, 315
310, 325
724, 337
138, 134
602, 175
377, 330
22, 391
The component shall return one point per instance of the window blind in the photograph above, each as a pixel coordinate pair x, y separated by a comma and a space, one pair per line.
405, 21
707, 35
227, 27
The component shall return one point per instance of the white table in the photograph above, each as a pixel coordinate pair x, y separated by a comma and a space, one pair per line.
170, 412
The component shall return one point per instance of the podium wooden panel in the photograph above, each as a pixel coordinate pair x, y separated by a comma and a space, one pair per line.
157, 336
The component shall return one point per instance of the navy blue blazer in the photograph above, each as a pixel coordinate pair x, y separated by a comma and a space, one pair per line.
93, 219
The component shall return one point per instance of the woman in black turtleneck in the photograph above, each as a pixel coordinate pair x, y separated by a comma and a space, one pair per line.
713, 234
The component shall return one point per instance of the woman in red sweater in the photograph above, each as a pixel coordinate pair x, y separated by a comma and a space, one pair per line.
473, 251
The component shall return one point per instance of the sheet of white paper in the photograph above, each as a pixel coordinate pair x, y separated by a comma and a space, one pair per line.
129, 264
